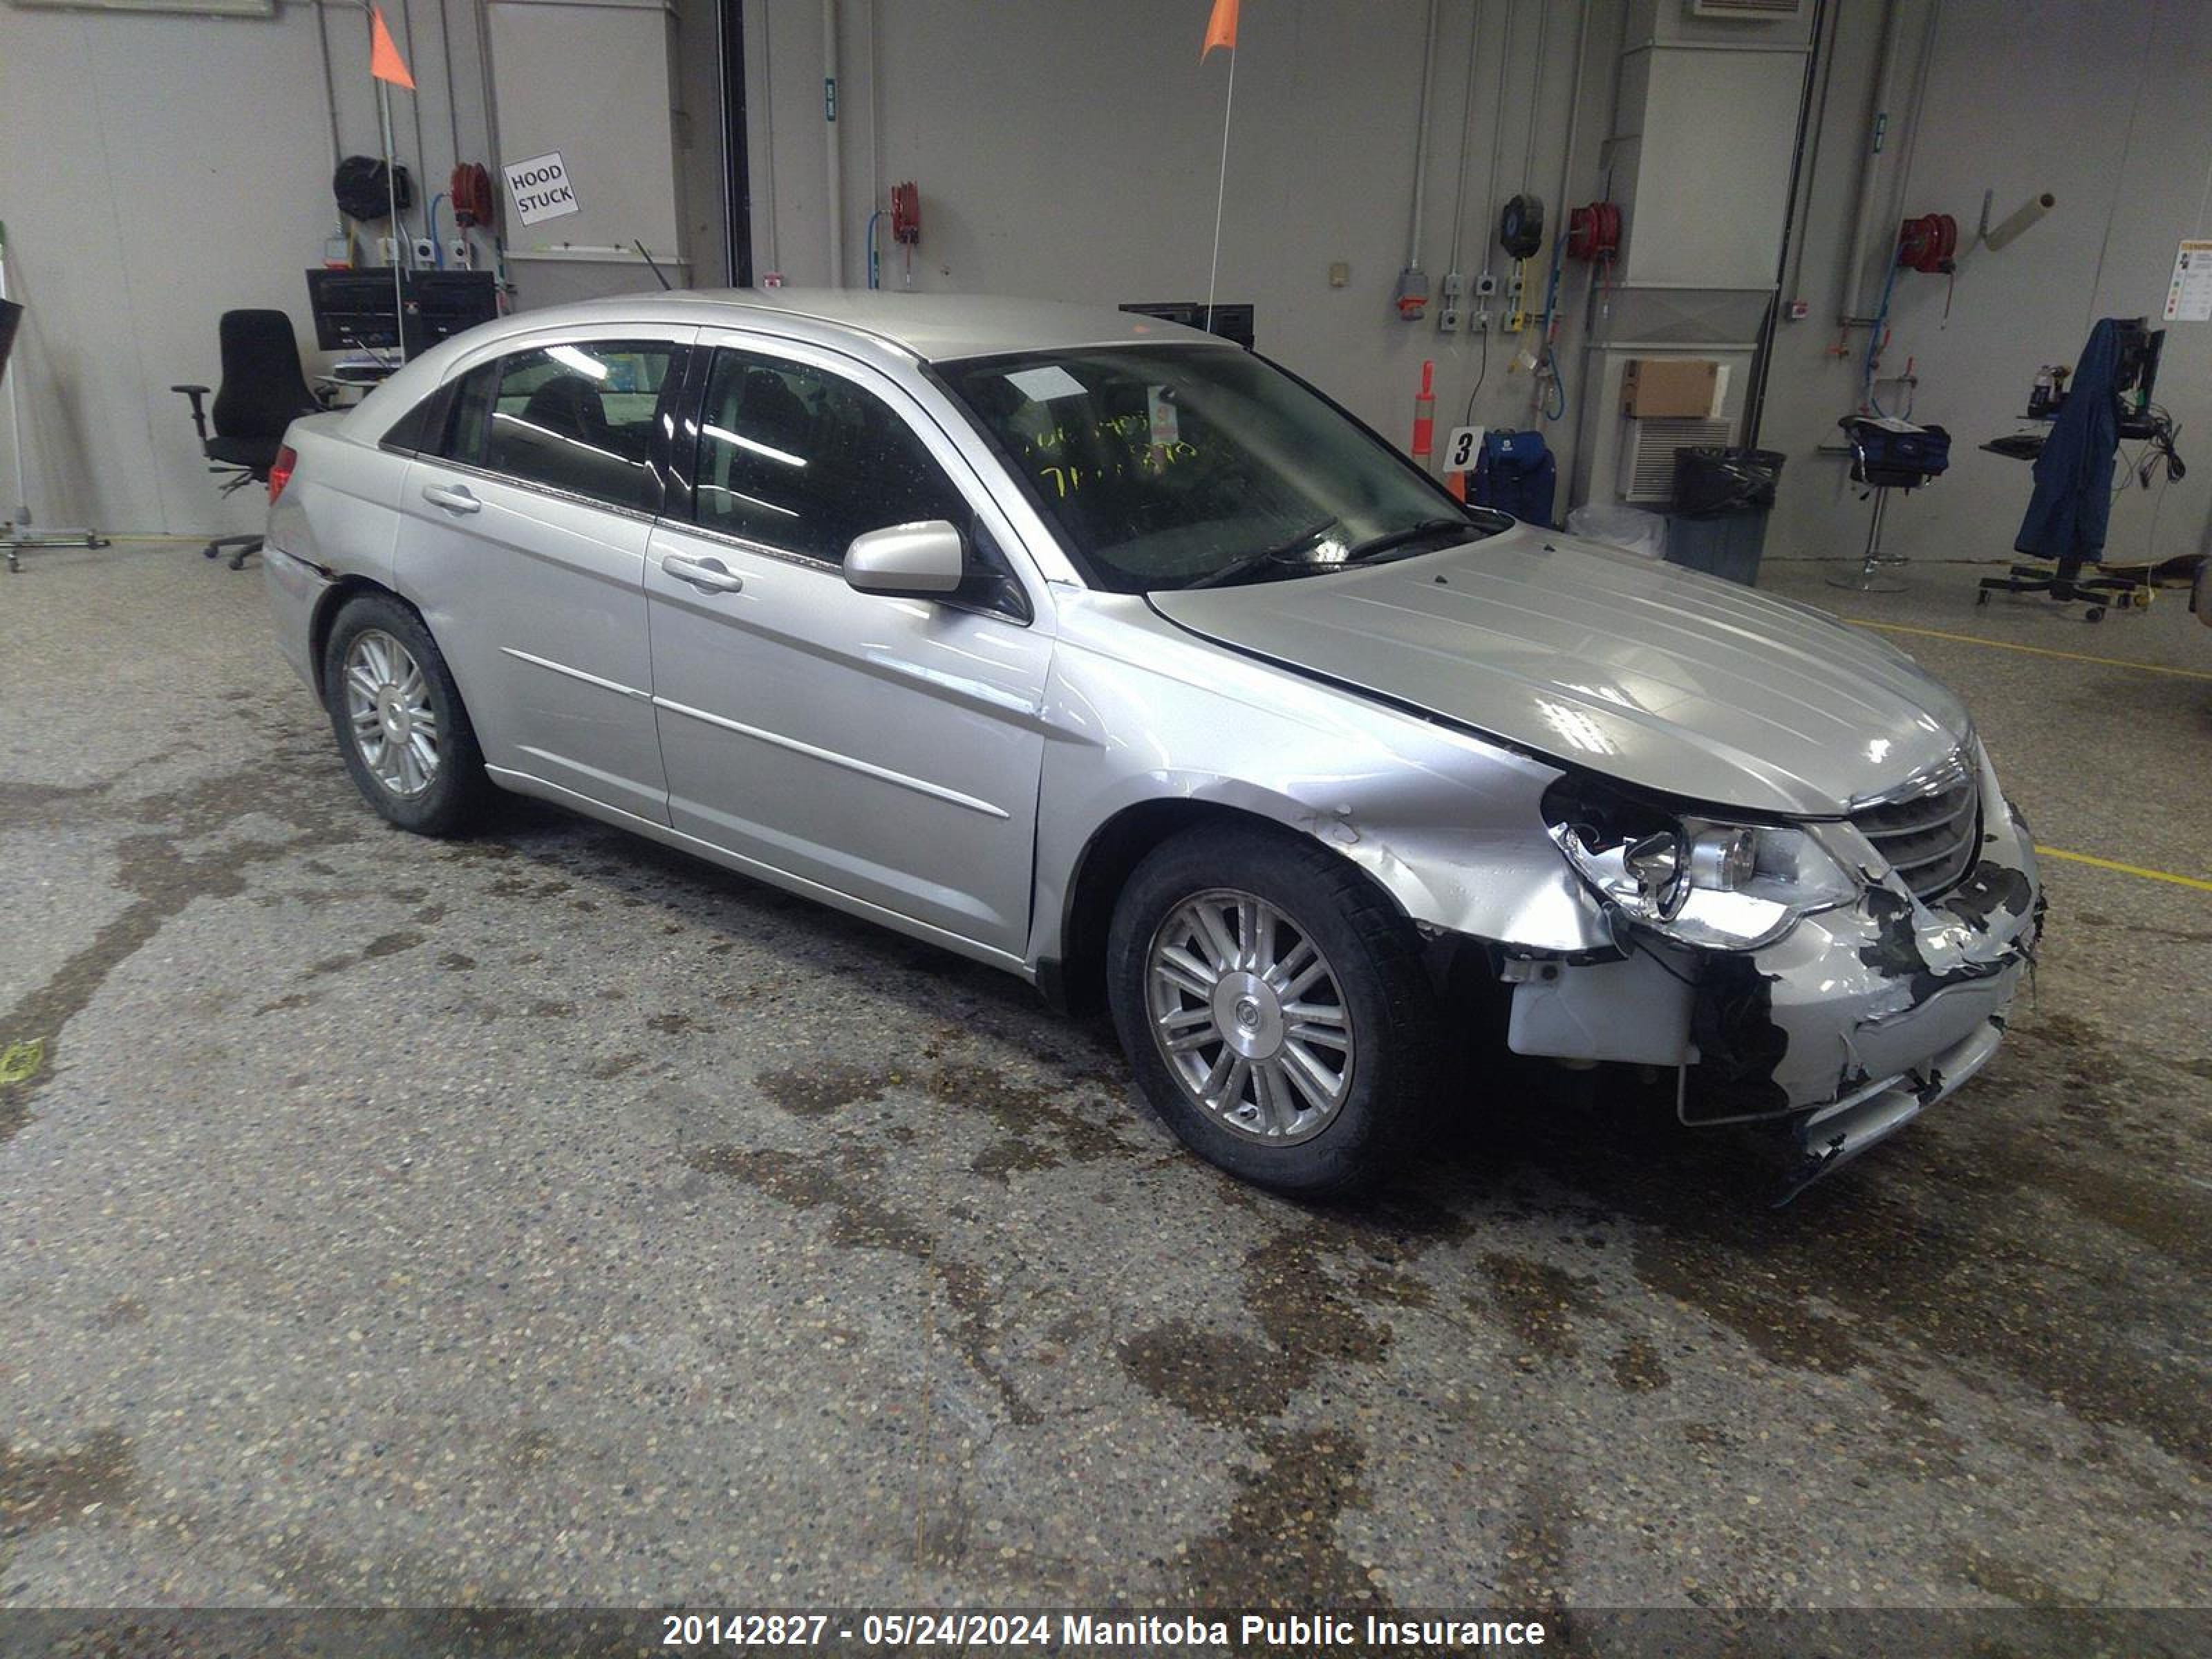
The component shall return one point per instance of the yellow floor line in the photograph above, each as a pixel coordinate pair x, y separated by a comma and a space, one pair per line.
2031, 650
2126, 869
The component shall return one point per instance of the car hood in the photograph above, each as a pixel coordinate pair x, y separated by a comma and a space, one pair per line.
1604, 660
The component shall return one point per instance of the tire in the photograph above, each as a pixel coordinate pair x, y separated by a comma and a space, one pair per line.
1373, 984
383, 638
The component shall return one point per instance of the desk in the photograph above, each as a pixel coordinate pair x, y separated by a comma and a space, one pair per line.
343, 390
2065, 583
2017, 445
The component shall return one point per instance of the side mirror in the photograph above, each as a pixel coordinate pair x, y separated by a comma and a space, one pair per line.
922, 560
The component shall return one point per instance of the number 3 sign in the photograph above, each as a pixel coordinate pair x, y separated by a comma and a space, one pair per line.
1462, 447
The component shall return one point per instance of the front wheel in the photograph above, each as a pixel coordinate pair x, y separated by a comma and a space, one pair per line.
1274, 1007
398, 717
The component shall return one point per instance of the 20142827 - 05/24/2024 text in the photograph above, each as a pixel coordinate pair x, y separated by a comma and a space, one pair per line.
1262, 1631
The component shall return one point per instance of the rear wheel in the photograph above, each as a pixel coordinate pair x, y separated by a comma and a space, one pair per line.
1274, 1007
398, 717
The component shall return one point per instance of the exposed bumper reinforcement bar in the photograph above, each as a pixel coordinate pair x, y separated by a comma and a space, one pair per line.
1826, 1138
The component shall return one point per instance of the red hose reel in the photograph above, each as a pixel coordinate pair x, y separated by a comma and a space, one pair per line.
1593, 232
471, 195
1928, 243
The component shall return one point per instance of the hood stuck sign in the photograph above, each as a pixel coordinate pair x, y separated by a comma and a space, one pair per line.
540, 188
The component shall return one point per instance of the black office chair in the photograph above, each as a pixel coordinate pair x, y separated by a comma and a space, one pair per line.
264, 391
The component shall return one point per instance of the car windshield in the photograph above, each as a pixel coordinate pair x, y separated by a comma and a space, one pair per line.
1182, 466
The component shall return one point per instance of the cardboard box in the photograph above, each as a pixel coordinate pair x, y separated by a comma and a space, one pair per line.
1670, 386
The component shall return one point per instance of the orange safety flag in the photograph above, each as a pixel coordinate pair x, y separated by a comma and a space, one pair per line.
385, 62
1221, 28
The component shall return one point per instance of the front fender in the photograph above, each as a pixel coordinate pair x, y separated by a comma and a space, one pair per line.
1447, 823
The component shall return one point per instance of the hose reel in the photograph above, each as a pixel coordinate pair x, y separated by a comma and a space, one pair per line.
1929, 244
1521, 226
1593, 232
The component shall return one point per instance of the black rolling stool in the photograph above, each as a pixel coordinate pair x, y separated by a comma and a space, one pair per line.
1883, 458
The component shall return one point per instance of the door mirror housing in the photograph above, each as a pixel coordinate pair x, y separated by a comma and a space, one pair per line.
921, 561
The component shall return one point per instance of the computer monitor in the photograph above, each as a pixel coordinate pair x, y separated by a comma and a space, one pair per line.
1230, 322
441, 303
2141, 346
353, 308
10, 315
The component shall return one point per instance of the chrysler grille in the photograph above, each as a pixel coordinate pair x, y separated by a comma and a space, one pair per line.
1930, 834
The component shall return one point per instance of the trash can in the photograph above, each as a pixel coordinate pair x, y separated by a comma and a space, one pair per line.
1722, 501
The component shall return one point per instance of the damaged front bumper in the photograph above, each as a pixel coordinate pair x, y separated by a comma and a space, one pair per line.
1837, 1034
1861, 1018
1826, 1138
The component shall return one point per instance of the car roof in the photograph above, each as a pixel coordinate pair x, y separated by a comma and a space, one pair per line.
932, 327
890, 328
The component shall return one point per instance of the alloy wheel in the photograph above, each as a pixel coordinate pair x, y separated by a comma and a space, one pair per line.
387, 697
1249, 1017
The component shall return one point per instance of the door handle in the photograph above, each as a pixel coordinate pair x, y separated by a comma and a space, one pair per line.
455, 498
707, 575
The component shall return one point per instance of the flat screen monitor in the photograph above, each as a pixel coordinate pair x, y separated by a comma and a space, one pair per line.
1230, 322
2141, 346
353, 308
356, 308
441, 303
11, 314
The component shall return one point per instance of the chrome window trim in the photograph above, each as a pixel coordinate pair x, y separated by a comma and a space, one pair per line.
551, 492
744, 544
675, 335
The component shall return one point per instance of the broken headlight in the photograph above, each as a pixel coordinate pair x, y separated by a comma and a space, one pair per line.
1696, 880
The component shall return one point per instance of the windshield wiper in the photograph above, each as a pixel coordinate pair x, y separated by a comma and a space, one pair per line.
1411, 532
1237, 569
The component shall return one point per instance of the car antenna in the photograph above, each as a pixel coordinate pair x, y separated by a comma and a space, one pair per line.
649, 266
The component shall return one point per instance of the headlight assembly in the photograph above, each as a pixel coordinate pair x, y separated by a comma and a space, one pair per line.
1696, 880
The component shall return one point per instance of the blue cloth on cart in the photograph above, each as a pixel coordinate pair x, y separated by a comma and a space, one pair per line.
2072, 505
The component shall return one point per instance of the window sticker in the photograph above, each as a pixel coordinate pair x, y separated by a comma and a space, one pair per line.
1044, 384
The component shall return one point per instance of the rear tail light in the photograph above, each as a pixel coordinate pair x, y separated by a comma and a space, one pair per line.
280, 470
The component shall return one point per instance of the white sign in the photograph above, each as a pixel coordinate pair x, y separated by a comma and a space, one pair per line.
2189, 296
1042, 384
540, 188
1461, 448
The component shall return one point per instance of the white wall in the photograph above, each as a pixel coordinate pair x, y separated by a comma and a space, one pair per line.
1073, 151
595, 83
2023, 98
164, 168
160, 170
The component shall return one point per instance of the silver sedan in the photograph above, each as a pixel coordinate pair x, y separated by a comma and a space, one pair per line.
1111, 655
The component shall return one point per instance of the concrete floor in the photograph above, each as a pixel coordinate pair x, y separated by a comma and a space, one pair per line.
545, 1216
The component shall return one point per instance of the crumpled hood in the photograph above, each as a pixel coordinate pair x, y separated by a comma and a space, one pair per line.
1598, 659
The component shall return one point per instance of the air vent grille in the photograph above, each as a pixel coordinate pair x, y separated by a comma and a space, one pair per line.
1648, 468
1748, 11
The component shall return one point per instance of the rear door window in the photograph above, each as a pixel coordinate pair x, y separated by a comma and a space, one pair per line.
575, 417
